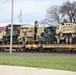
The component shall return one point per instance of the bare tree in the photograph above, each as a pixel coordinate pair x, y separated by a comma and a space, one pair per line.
68, 9
53, 16
64, 13
53, 13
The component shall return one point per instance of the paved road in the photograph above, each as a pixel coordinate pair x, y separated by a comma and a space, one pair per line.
14, 70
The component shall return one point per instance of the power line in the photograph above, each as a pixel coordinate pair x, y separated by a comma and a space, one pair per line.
3, 2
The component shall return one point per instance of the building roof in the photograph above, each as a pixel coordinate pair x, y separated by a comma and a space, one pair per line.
2, 28
27, 25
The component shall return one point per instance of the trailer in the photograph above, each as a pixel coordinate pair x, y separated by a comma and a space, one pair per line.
38, 47
17, 47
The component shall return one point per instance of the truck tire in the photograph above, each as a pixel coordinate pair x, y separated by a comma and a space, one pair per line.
70, 40
66, 39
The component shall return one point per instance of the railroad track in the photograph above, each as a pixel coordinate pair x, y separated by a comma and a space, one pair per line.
68, 52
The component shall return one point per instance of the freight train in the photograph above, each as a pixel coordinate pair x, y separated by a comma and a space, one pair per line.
41, 37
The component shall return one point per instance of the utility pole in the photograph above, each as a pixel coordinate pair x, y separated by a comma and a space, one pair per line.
11, 27
21, 16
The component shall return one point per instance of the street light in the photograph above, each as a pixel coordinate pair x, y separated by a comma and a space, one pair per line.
11, 27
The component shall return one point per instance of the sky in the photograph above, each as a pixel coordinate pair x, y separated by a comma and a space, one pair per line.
32, 10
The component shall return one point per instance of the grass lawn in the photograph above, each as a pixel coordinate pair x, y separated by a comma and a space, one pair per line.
60, 62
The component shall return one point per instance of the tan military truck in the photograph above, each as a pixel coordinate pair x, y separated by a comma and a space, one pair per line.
22, 36
30, 34
65, 32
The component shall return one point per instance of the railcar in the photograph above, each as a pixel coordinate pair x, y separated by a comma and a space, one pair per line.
47, 39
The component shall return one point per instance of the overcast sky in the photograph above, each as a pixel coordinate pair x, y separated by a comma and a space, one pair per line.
31, 10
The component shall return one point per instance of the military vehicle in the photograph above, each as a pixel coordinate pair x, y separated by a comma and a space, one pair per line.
48, 36
30, 34
15, 34
66, 33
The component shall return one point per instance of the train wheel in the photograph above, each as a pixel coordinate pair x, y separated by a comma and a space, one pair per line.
16, 50
19, 50
75, 51
40, 49
55, 50
71, 50
2, 49
51, 50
